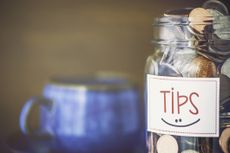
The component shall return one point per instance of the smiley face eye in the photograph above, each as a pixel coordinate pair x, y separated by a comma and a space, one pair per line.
180, 120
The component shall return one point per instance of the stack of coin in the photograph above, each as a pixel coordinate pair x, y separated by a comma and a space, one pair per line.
207, 29
161, 143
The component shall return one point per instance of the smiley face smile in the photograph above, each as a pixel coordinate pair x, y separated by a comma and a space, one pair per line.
185, 125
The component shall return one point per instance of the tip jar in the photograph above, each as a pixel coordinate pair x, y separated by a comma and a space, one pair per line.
187, 81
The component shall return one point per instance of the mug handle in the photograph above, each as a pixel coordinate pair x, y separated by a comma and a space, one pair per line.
26, 110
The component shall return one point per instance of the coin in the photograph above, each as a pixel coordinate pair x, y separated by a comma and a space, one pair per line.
195, 33
222, 34
221, 22
182, 60
165, 69
189, 151
189, 143
217, 52
151, 66
225, 69
170, 28
214, 13
202, 67
206, 145
150, 143
221, 27
224, 89
216, 147
178, 12
171, 32
225, 105
216, 5
166, 144
219, 44
224, 138
212, 57
199, 18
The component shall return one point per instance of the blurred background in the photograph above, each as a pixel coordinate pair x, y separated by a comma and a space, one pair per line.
44, 38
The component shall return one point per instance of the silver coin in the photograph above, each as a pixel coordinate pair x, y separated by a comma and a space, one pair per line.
213, 50
172, 28
221, 27
188, 35
171, 32
225, 104
214, 13
219, 49
223, 35
221, 23
189, 151
150, 143
182, 60
151, 66
165, 69
210, 57
224, 89
189, 143
225, 69
218, 25
152, 62
224, 109
220, 44
216, 5
166, 144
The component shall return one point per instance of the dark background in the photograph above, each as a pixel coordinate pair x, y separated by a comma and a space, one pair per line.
44, 38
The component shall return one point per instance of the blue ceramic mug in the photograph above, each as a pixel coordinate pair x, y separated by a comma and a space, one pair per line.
88, 114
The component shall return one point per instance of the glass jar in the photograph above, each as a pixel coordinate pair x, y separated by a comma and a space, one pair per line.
188, 85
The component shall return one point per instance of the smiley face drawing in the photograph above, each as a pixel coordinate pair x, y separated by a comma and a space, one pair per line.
179, 121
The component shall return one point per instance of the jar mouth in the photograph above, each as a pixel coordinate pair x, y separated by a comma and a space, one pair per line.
186, 20
190, 31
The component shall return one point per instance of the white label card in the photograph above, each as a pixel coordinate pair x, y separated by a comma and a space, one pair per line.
183, 106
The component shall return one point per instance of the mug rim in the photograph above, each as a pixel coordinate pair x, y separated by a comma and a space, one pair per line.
97, 81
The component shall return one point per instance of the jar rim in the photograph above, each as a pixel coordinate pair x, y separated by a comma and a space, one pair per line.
186, 20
